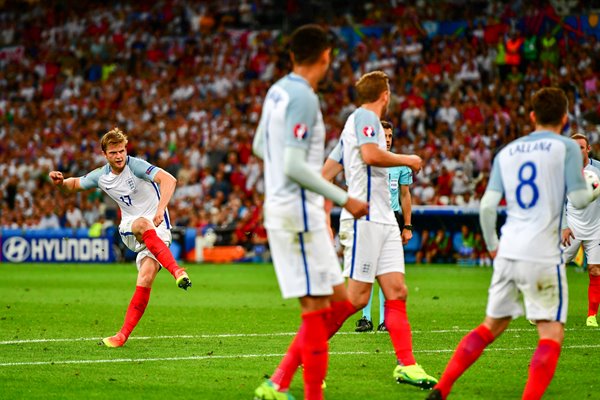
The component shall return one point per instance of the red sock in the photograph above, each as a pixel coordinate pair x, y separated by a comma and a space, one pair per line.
468, 351
160, 250
289, 364
340, 311
314, 352
136, 309
396, 322
541, 369
593, 295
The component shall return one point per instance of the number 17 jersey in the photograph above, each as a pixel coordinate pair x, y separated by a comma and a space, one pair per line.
535, 173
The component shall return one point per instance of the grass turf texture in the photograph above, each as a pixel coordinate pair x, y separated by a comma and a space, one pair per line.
217, 340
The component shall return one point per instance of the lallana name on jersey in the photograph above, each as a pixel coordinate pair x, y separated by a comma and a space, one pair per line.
529, 147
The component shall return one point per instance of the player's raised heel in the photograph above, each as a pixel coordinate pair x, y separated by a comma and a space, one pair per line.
592, 321
183, 280
266, 391
114, 341
414, 375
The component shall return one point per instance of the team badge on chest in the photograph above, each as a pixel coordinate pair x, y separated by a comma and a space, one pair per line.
131, 184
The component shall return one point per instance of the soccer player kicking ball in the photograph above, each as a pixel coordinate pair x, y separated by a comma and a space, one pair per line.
290, 138
142, 192
373, 244
533, 174
583, 228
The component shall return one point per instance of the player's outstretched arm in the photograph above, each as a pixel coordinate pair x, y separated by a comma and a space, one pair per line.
297, 169
373, 155
167, 184
69, 185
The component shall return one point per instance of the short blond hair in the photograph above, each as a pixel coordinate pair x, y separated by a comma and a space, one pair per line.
580, 135
114, 136
370, 86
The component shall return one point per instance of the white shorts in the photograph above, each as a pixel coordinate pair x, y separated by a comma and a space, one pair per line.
132, 243
305, 262
590, 247
544, 289
370, 249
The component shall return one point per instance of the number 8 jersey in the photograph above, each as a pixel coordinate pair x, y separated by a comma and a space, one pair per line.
535, 173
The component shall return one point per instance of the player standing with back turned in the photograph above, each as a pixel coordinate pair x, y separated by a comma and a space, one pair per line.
533, 173
290, 138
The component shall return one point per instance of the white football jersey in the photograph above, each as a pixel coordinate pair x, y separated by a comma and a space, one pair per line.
585, 222
134, 189
535, 172
365, 182
291, 116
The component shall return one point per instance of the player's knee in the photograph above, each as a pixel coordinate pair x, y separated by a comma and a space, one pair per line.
594, 269
403, 293
359, 301
147, 274
141, 225
399, 293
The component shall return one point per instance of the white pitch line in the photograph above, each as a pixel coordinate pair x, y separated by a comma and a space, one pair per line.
234, 335
225, 357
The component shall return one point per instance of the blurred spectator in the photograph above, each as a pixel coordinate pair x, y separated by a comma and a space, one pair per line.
74, 216
191, 75
435, 247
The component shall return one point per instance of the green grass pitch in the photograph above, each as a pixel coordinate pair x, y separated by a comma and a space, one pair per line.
217, 340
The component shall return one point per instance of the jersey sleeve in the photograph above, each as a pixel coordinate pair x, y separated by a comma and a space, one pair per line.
367, 127
573, 167
495, 182
300, 117
90, 180
337, 154
142, 168
406, 176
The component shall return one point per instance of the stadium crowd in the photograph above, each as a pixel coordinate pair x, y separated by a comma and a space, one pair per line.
186, 80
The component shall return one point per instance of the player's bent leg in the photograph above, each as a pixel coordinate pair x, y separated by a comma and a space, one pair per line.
358, 293
468, 351
341, 309
145, 232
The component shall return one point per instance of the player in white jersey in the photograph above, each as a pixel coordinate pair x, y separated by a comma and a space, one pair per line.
583, 228
373, 244
290, 138
533, 174
142, 192
399, 181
